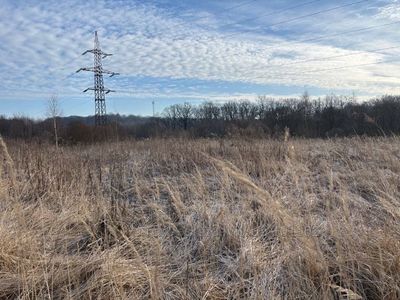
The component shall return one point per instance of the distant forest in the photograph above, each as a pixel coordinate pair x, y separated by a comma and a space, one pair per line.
331, 116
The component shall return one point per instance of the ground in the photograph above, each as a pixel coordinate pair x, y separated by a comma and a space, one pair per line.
201, 219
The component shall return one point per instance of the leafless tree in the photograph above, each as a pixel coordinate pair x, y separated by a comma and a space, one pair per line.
185, 113
229, 110
208, 111
53, 112
171, 114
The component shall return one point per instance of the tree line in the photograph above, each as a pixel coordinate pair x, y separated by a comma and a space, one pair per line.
331, 116
305, 117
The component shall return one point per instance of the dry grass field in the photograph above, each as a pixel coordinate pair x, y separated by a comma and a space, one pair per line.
204, 219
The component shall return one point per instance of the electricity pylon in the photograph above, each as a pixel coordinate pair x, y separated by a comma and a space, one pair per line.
99, 90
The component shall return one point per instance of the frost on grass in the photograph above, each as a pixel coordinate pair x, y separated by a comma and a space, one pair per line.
178, 219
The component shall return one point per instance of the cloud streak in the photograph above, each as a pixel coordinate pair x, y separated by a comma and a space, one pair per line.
41, 42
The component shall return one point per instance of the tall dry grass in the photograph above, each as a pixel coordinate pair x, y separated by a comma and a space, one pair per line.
207, 219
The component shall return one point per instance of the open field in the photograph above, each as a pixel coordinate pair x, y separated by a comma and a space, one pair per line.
205, 219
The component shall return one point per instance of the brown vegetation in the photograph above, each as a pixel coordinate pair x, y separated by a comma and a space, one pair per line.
204, 219
332, 116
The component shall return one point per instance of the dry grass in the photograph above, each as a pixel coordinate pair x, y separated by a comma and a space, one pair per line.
179, 219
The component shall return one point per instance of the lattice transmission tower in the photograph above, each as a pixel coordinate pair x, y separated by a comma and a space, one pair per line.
99, 90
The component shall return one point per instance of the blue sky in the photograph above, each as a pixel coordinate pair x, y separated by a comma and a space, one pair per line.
176, 51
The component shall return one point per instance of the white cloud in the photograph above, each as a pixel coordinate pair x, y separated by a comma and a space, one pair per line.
390, 11
42, 43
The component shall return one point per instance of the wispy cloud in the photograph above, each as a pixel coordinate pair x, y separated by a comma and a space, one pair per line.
41, 43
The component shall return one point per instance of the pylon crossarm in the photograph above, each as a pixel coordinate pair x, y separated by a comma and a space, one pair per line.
109, 72
105, 55
101, 90
86, 69
97, 70
97, 51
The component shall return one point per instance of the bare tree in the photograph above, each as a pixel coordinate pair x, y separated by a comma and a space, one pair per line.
185, 113
171, 114
54, 111
207, 111
230, 111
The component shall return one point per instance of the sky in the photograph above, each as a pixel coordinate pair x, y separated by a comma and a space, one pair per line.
170, 51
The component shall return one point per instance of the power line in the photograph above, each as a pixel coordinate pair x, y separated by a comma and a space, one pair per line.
225, 11
271, 14
205, 17
276, 45
175, 7
285, 75
326, 36
301, 17
332, 35
322, 59
240, 5
376, 50
335, 56
350, 66
257, 17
